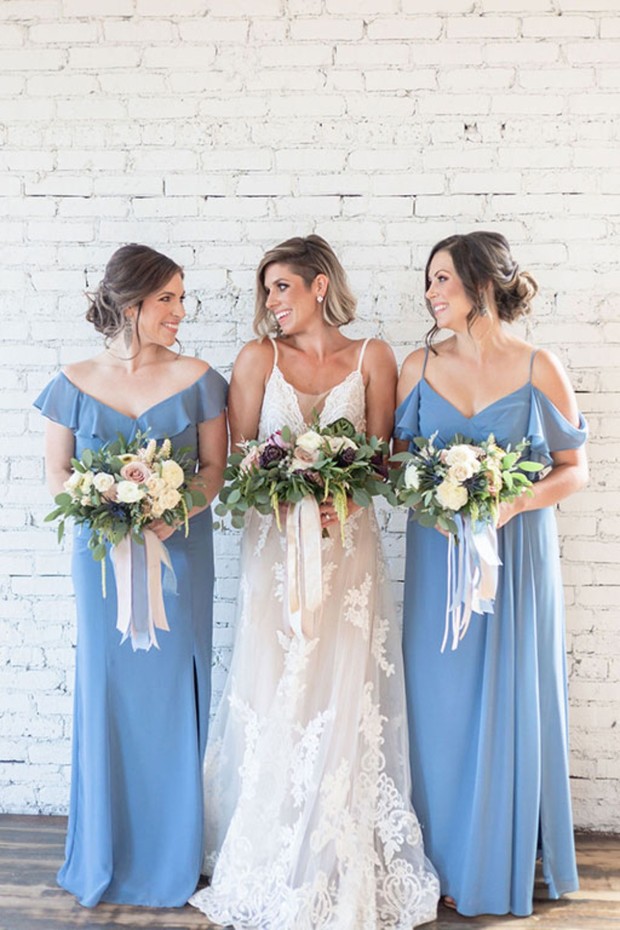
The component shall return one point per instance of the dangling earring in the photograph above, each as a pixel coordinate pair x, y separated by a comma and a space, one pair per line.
319, 299
483, 310
128, 333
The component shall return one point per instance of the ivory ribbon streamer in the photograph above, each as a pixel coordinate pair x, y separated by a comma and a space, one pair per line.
304, 571
139, 589
472, 576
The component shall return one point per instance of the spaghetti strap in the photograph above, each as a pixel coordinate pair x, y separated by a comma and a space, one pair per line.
532, 357
426, 351
361, 358
275, 351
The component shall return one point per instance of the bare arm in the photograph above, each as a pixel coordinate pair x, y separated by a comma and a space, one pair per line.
380, 364
247, 389
410, 374
59, 450
570, 467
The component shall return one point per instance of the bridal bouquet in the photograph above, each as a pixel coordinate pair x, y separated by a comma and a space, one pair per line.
301, 471
330, 461
117, 491
459, 488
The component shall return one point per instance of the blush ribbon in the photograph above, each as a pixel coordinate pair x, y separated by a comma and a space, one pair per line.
138, 571
304, 570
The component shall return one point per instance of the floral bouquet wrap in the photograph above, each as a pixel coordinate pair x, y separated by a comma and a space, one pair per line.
117, 491
301, 471
458, 488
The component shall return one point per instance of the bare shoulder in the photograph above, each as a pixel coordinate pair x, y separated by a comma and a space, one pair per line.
81, 373
254, 359
193, 367
411, 372
550, 377
379, 355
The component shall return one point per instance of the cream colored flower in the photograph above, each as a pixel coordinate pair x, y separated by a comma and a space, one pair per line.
73, 484
463, 455
310, 441
172, 473
168, 499
412, 477
451, 495
338, 443
155, 485
103, 482
128, 492
127, 457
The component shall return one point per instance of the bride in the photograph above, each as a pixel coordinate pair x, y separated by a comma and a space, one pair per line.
309, 823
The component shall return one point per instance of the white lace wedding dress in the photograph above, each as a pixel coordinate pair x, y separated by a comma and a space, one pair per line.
309, 824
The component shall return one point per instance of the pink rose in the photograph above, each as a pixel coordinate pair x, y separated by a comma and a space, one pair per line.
137, 472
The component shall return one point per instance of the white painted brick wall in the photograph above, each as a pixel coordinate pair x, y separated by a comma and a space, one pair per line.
214, 128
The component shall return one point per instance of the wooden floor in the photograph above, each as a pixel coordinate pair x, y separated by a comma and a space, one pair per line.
31, 852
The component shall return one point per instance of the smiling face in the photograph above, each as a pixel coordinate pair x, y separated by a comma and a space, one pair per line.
445, 292
292, 302
161, 313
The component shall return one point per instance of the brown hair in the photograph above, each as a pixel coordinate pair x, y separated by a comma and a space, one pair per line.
481, 258
307, 257
133, 272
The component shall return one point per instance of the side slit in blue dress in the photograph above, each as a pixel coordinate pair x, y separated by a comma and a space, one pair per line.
140, 718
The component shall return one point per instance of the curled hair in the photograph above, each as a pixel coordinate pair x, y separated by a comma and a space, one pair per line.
481, 258
133, 272
307, 257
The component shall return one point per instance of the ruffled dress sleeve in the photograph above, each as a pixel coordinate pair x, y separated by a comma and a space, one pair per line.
60, 401
407, 416
212, 392
549, 430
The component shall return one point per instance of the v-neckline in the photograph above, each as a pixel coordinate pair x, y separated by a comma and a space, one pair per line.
127, 416
324, 394
494, 403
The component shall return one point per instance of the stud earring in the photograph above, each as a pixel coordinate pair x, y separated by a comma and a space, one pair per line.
319, 299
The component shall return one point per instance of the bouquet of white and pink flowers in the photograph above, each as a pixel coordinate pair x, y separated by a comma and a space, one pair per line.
323, 462
459, 487
462, 477
116, 491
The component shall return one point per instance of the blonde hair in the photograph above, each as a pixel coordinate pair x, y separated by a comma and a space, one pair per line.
307, 257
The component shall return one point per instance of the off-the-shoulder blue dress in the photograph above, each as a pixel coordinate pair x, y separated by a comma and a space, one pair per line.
140, 718
488, 722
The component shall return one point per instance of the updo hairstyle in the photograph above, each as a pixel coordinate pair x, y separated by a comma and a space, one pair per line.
133, 272
306, 257
479, 258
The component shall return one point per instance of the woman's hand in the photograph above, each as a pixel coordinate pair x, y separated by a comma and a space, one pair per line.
508, 510
162, 530
328, 511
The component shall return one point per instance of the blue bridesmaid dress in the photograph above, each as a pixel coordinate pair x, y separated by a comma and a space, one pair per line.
488, 722
140, 718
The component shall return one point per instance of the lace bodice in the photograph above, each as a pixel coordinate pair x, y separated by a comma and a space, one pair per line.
283, 404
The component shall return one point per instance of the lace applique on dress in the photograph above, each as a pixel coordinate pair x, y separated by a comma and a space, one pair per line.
313, 827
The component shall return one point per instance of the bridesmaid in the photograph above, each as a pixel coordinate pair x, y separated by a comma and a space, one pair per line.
140, 719
488, 722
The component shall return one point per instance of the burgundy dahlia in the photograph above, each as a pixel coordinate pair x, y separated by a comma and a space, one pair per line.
270, 455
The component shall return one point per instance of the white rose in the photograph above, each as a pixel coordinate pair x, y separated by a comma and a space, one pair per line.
73, 483
87, 481
155, 485
128, 492
412, 477
461, 472
463, 455
310, 441
338, 443
168, 499
103, 482
172, 473
450, 495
